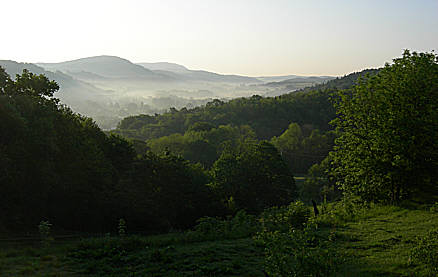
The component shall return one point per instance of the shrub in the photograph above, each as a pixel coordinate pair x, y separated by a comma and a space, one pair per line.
434, 207
347, 210
240, 226
299, 252
293, 244
283, 218
426, 251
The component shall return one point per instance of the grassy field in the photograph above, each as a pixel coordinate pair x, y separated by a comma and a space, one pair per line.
374, 242
380, 243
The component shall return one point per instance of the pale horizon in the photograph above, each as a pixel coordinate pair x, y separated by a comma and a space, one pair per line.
242, 37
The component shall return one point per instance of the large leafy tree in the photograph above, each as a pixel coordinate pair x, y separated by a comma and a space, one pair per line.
388, 127
54, 164
254, 178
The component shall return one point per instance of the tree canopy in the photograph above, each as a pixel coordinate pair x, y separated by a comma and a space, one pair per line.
388, 129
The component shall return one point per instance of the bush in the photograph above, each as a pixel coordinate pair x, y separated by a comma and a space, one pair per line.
242, 225
426, 252
434, 207
293, 244
349, 209
283, 218
299, 252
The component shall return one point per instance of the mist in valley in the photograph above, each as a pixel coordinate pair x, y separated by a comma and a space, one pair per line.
109, 88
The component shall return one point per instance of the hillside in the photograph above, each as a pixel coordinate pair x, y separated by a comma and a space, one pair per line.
109, 88
165, 66
106, 66
72, 90
344, 82
294, 84
267, 116
183, 73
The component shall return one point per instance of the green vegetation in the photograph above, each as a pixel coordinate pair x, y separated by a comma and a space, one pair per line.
387, 125
253, 179
59, 166
231, 210
346, 240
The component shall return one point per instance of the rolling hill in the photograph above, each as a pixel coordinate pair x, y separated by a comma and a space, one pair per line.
106, 66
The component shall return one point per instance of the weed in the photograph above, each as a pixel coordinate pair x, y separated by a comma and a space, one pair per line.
426, 251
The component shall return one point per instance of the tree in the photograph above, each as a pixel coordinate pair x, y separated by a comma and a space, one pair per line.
254, 178
319, 185
388, 127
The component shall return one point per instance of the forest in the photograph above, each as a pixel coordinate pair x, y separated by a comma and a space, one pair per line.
364, 148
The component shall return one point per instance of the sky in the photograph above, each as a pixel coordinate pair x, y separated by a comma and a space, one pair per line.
246, 37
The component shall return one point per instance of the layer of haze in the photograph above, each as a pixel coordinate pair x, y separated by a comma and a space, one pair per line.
247, 37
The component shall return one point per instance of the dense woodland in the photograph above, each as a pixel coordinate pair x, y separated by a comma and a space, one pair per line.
60, 166
372, 142
298, 124
179, 166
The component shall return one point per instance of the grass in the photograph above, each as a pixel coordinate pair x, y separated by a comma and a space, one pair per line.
33, 260
162, 255
380, 243
374, 242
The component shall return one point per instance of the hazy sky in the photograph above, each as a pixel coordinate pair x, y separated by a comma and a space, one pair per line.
248, 37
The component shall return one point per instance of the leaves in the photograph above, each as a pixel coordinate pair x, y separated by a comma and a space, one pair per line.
388, 126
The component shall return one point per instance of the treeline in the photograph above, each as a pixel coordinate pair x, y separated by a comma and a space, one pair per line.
345, 82
297, 124
59, 166
268, 117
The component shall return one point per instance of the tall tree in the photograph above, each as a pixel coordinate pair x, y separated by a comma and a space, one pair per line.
388, 127
254, 178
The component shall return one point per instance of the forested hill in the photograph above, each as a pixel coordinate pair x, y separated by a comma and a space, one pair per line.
344, 82
267, 116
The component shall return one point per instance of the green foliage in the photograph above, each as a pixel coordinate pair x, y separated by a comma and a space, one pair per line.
387, 128
434, 207
426, 251
59, 165
319, 184
302, 147
345, 82
295, 215
242, 225
299, 253
268, 116
346, 210
27, 84
293, 245
254, 178
165, 256
202, 145
378, 241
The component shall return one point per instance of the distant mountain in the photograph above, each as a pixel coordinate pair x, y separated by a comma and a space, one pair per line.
299, 80
108, 88
294, 84
81, 96
172, 67
106, 66
268, 79
70, 87
183, 73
